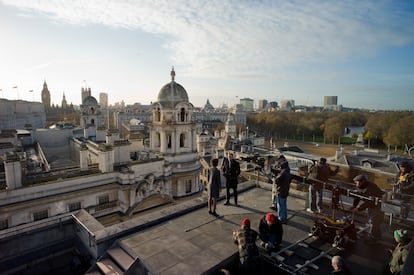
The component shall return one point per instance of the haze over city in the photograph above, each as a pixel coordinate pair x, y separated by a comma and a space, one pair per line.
360, 51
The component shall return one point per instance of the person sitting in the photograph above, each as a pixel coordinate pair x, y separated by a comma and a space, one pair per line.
245, 238
270, 232
400, 252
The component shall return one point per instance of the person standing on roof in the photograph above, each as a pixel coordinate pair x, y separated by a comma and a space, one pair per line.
322, 172
280, 188
404, 184
214, 184
375, 215
231, 170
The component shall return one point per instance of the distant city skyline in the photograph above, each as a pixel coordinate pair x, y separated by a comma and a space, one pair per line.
360, 51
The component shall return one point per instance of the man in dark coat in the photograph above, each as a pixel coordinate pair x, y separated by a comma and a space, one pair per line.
231, 170
375, 215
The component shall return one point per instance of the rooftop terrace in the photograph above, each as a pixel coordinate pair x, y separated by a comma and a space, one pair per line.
198, 243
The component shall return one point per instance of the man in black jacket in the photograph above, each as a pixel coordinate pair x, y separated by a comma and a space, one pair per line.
270, 232
231, 170
375, 215
322, 172
280, 187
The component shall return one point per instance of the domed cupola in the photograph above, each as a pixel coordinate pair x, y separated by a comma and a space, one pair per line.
172, 93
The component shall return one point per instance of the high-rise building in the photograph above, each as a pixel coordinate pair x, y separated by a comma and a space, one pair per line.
247, 104
262, 104
330, 100
103, 100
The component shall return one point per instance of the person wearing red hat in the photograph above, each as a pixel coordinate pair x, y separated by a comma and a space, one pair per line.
245, 238
270, 232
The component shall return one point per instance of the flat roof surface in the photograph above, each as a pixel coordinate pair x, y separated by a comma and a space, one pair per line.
198, 242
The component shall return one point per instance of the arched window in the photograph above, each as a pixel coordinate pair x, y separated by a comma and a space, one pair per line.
182, 140
92, 121
182, 115
92, 110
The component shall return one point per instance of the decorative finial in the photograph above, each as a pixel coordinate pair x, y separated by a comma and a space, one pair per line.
172, 74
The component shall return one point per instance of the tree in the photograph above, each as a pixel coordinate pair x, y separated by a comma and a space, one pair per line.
333, 129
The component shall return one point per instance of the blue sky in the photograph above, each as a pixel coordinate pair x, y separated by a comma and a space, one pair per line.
361, 51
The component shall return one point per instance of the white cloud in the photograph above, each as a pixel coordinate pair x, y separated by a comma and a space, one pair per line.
245, 38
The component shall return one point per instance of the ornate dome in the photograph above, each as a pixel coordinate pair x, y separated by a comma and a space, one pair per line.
172, 93
90, 100
208, 106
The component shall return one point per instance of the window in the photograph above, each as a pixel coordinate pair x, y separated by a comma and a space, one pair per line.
74, 206
40, 215
4, 224
182, 140
182, 115
188, 186
169, 141
158, 115
103, 199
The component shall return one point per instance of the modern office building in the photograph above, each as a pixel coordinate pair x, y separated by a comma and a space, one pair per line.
247, 104
330, 100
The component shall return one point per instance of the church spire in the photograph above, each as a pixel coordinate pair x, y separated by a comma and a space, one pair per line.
172, 74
